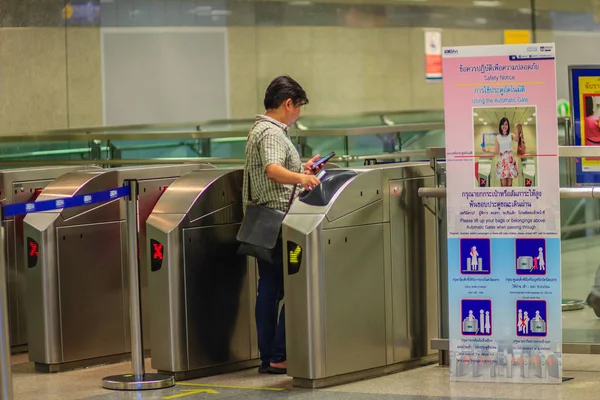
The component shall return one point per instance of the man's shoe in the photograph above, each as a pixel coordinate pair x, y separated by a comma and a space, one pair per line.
277, 371
264, 369
279, 368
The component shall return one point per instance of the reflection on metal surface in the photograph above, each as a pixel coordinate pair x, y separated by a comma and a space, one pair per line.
143, 382
366, 275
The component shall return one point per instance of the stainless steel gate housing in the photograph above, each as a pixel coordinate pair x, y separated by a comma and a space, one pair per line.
203, 293
77, 302
360, 275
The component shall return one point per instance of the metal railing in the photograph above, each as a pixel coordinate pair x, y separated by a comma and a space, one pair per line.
113, 133
400, 156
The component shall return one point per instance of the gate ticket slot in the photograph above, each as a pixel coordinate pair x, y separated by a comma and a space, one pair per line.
331, 182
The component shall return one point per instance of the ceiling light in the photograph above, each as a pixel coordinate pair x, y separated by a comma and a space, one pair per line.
484, 3
481, 119
475, 114
485, 123
526, 123
200, 10
481, 21
529, 119
534, 114
220, 12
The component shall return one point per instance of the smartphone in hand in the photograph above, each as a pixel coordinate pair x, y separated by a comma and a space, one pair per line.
322, 161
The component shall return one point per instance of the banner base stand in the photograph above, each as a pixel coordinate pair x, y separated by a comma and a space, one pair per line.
572, 304
143, 382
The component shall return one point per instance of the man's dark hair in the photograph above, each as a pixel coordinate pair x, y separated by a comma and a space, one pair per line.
281, 89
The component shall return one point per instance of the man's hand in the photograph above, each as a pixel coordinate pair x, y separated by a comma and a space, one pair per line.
309, 181
309, 164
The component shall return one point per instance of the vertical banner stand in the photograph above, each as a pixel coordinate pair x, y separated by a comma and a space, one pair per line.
138, 380
503, 214
5, 365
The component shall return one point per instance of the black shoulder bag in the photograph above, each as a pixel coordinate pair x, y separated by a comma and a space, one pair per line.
261, 229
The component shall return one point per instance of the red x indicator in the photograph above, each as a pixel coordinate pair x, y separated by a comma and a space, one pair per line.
157, 255
158, 252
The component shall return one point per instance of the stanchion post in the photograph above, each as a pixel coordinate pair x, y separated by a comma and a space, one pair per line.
138, 380
5, 364
137, 344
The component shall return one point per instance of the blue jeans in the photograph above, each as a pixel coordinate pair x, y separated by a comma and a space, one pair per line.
270, 331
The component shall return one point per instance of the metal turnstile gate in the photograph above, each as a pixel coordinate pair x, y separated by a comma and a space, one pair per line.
203, 293
21, 185
77, 281
360, 275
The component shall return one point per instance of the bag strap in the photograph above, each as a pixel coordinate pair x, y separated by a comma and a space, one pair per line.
249, 194
291, 199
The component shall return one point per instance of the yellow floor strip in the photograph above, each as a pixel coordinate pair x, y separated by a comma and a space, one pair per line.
189, 393
229, 387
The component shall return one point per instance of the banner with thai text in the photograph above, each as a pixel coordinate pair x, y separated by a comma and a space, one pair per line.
503, 207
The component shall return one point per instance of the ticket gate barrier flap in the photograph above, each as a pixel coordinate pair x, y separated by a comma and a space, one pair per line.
82, 266
360, 275
202, 292
21, 185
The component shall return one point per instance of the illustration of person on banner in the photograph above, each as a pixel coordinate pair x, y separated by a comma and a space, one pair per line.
506, 165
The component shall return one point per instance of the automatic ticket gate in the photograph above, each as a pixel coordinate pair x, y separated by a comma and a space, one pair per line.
360, 275
19, 186
77, 276
203, 293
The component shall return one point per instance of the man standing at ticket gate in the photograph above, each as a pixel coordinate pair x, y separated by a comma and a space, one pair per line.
273, 169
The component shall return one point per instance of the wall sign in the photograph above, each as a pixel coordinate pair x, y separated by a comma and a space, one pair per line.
584, 84
514, 36
433, 55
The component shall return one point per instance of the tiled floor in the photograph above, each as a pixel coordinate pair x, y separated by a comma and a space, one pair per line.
424, 383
